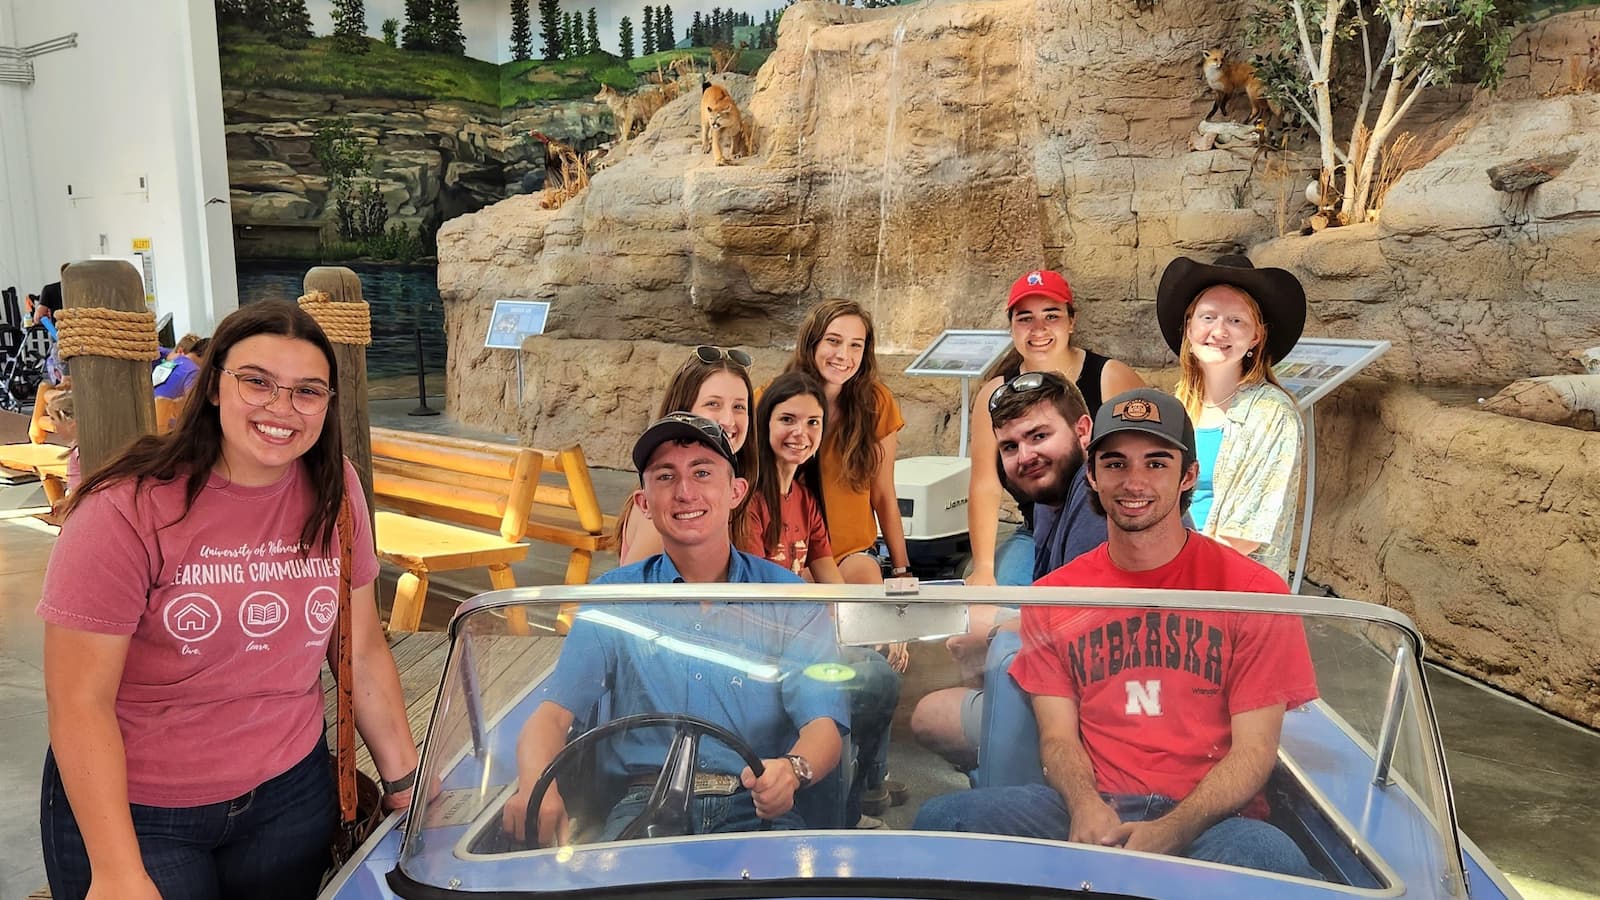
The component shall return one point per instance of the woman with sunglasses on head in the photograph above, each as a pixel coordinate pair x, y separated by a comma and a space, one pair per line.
836, 347
189, 604
1229, 322
713, 382
1042, 318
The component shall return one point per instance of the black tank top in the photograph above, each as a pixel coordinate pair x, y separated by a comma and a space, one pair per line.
1089, 380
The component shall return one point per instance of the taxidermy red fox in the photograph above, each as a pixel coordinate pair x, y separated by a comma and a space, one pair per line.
1227, 79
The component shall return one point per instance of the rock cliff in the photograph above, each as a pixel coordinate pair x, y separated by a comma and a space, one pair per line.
433, 159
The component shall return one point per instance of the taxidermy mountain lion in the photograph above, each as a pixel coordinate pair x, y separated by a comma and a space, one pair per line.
722, 128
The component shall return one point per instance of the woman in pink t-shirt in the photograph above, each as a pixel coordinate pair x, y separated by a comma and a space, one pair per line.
784, 521
189, 605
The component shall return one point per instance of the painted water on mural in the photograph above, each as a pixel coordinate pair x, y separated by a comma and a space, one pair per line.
402, 298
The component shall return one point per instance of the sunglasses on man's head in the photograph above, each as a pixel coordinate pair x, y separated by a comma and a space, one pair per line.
1026, 383
710, 354
701, 423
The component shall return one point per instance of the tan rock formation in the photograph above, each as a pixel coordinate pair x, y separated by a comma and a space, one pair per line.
1570, 400
917, 159
1484, 529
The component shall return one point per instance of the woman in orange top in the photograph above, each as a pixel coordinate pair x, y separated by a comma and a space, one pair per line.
858, 450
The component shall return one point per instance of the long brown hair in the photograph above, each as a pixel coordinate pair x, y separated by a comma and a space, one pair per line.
1253, 369
785, 387
194, 445
854, 430
682, 393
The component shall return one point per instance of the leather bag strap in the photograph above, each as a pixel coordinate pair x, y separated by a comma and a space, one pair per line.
344, 710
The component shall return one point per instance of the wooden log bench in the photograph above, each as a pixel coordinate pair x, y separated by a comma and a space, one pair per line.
449, 503
46, 460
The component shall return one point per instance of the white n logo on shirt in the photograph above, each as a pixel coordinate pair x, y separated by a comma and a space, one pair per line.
1144, 697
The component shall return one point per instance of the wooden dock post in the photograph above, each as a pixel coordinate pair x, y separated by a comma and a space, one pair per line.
333, 297
108, 338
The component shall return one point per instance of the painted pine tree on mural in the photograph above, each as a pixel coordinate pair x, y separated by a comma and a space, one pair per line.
350, 26
550, 28
592, 45
445, 25
664, 38
649, 36
521, 31
418, 33
625, 38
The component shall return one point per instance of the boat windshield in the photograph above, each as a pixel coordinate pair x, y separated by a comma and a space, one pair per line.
620, 739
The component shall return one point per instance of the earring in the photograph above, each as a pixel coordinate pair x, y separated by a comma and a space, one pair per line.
1249, 353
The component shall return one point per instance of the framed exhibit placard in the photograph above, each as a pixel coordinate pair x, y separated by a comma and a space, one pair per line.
1318, 365
964, 352
1310, 372
514, 320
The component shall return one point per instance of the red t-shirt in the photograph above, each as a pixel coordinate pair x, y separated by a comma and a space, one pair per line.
229, 623
802, 534
1157, 689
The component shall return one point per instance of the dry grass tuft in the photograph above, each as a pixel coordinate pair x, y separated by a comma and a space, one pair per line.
1403, 154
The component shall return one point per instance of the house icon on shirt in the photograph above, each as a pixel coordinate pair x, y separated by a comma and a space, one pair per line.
192, 619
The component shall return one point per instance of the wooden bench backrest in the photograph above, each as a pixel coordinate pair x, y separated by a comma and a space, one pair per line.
576, 494
465, 481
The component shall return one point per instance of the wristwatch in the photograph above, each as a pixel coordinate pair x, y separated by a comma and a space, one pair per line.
802, 769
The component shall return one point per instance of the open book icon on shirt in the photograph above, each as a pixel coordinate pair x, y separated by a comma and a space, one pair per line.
262, 614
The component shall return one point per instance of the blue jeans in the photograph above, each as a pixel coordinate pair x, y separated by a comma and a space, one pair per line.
1037, 811
1013, 560
709, 815
269, 843
874, 693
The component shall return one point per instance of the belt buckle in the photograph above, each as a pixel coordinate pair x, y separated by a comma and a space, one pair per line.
711, 784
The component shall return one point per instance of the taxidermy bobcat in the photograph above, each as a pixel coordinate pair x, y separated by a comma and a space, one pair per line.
633, 109
1227, 79
722, 129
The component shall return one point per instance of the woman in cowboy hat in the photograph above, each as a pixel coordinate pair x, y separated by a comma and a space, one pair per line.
1229, 322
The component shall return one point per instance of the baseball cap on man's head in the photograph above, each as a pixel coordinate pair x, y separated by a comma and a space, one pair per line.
1040, 283
1148, 411
681, 426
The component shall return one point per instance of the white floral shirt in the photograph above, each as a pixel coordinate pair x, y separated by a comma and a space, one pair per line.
1256, 478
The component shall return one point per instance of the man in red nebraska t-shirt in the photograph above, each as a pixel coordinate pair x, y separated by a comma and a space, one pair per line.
1158, 728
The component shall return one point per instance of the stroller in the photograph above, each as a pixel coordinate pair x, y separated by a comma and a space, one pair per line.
23, 352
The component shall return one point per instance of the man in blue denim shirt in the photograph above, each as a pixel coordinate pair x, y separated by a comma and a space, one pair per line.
739, 665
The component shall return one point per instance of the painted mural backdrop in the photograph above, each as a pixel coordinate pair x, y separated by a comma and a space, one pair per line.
356, 128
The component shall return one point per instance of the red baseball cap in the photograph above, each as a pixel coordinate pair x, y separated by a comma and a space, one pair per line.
1041, 283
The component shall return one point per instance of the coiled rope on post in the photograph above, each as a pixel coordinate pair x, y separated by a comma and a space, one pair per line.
343, 323
111, 333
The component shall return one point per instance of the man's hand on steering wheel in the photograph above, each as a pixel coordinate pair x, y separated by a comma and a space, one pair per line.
552, 817
773, 792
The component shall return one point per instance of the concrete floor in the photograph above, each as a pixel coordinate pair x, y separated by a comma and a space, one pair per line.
1527, 785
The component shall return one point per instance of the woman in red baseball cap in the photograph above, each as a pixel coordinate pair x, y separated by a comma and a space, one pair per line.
1042, 321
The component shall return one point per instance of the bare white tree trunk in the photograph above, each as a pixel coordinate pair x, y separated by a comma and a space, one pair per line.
1319, 63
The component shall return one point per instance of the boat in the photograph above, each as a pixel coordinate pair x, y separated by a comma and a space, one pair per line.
1360, 782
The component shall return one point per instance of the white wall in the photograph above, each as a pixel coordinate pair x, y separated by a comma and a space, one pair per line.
138, 97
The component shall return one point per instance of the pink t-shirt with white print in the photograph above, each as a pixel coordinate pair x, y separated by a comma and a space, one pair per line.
230, 622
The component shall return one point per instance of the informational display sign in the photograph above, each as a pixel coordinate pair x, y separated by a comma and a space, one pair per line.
962, 352
1318, 365
514, 320
1311, 371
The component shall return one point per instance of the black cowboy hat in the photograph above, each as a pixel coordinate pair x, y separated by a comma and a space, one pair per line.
1276, 291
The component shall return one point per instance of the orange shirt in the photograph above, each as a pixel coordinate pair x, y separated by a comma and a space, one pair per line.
851, 525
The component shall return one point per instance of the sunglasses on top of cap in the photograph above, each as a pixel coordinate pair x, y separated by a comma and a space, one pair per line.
710, 354
1026, 383
704, 425
257, 389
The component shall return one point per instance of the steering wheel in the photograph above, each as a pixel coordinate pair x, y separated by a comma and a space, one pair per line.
666, 811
